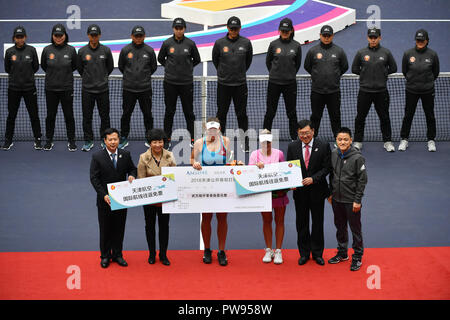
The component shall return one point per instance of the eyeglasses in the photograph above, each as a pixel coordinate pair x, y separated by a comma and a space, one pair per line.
304, 134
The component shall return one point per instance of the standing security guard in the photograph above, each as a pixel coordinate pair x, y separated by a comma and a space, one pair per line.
95, 64
21, 63
373, 64
179, 55
232, 56
283, 60
420, 66
59, 61
137, 62
326, 63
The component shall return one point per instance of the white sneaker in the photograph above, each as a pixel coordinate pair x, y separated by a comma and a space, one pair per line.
431, 146
403, 145
358, 145
278, 258
268, 256
389, 146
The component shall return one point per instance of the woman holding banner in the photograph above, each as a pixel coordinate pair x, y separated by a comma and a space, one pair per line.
265, 155
150, 164
212, 150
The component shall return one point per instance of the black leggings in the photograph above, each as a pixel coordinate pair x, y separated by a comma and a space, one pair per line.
150, 213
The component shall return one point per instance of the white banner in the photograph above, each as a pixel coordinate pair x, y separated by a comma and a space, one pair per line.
274, 176
143, 191
211, 190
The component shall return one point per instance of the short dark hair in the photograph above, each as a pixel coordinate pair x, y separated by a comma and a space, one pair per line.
345, 130
109, 131
304, 123
156, 134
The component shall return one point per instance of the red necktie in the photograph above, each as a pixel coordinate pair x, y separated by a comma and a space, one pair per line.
307, 156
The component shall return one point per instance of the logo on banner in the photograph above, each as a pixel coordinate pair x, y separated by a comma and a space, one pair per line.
113, 187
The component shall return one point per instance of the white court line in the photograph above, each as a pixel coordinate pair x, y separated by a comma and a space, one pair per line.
81, 20
404, 20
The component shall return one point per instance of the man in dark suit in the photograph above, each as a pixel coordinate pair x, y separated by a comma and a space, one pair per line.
107, 166
315, 159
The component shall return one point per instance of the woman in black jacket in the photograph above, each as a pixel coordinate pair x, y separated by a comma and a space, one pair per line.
59, 60
21, 63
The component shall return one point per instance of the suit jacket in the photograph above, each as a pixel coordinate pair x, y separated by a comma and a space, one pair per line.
103, 172
318, 169
147, 167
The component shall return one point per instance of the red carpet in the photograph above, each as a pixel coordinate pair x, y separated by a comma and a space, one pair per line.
406, 273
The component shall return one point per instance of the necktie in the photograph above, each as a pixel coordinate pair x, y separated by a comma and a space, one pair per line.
113, 156
307, 154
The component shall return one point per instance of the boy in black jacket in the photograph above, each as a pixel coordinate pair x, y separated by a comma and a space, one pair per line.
348, 180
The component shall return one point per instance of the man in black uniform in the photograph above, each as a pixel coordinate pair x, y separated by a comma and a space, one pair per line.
373, 64
232, 56
179, 55
107, 166
95, 64
137, 62
326, 63
59, 61
21, 63
420, 66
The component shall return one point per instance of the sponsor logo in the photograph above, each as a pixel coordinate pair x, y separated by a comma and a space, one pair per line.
51, 56
172, 50
231, 171
102, 56
333, 55
145, 55
290, 165
239, 172
88, 57
186, 50
278, 50
366, 58
412, 59
130, 55
113, 187
164, 179
66, 56
225, 49
427, 60
14, 58
381, 58
319, 56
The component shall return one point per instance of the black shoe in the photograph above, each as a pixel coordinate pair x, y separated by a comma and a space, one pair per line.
207, 256
319, 261
7, 145
303, 260
222, 258
104, 262
37, 144
48, 145
151, 259
338, 258
72, 146
120, 261
164, 260
356, 265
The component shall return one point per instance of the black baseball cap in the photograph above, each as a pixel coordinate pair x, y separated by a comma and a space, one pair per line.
374, 32
421, 34
286, 25
179, 22
326, 30
19, 31
234, 22
59, 29
138, 30
94, 29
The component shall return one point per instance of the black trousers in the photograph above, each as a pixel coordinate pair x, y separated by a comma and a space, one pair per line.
53, 98
186, 94
239, 94
333, 103
410, 109
88, 101
129, 102
289, 92
309, 242
112, 231
150, 213
343, 215
381, 102
30, 98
